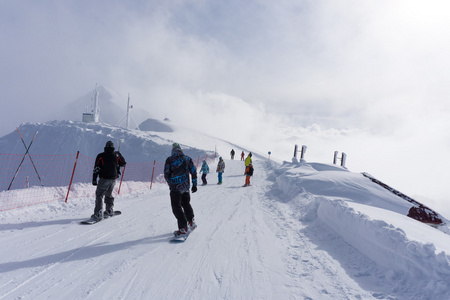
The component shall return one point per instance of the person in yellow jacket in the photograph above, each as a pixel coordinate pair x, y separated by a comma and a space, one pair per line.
248, 161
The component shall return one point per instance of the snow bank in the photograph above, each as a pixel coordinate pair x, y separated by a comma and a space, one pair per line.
324, 193
388, 246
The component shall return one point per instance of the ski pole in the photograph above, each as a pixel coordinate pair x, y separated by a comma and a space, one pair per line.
20, 165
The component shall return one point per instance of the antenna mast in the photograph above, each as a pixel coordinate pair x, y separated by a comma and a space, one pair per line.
96, 107
128, 112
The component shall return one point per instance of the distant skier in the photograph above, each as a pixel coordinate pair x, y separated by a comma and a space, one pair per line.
107, 167
232, 153
204, 170
248, 174
248, 161
242, 155
176, 172
220, 169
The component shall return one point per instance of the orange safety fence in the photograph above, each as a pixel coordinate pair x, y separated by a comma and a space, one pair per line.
33, 179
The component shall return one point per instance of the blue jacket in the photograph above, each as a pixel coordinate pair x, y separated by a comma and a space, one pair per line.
205, 168
177, 169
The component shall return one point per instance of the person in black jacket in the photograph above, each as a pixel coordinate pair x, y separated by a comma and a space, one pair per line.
107, 167
176, 172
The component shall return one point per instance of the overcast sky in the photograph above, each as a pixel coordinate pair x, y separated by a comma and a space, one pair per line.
370, 78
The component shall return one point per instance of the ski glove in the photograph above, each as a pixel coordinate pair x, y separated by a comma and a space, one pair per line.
194, 188
94, 182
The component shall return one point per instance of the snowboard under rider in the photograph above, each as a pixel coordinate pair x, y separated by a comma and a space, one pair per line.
107, 167
176, 172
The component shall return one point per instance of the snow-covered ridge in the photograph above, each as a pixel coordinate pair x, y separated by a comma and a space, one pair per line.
371, 220
66, 137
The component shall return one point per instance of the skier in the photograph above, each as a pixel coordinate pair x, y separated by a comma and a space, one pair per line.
232, 153
176, 172
248, 174
107, 167
248, 161
204, 170
242, 155
220, 169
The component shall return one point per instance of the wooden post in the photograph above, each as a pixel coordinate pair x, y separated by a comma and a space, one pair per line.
153, 173
335, 157
73, 172
123, 172
303, 152
343, 159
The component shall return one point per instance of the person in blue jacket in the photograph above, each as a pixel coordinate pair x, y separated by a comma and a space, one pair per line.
176, 172
204, 170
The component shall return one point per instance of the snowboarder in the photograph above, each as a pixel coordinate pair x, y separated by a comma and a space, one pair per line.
248, 174
204, 170
220, 169
248, 161
242, 155
107, 167
176, 172
232, 153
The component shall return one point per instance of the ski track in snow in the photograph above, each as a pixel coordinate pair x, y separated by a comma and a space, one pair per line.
246, 246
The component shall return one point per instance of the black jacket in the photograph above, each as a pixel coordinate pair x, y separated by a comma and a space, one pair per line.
107, 164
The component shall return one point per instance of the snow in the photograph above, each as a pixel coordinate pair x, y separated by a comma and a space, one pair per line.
301, 231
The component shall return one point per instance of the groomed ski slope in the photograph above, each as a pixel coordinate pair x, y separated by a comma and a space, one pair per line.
251, 243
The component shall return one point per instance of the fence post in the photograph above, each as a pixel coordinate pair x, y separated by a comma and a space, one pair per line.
302, 155
153, 173
73, 172
343, 159
335, 157
123, 172
295, 150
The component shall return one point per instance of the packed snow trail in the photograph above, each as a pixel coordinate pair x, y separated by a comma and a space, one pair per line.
246, 246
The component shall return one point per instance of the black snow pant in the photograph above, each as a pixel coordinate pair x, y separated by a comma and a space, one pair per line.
181, 207
105, 188
204, 178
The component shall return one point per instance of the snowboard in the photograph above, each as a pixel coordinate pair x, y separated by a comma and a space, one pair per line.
181, 239
91, 222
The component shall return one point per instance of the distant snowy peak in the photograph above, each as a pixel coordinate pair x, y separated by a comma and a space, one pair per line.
112, 106
108, 94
